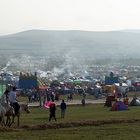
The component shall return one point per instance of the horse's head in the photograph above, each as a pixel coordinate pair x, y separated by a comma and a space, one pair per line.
25, 107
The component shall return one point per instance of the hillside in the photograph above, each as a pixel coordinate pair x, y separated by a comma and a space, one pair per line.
80, 43
68, 46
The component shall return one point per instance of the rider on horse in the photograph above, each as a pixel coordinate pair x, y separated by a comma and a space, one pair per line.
13, 100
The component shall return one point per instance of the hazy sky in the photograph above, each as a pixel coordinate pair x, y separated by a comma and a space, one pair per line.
95, 15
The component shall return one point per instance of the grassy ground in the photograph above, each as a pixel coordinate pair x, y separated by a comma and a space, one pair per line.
78, 113
105, 132
75, 113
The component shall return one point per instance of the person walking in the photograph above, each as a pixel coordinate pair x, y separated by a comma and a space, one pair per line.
52, 112
83, 101
63, 108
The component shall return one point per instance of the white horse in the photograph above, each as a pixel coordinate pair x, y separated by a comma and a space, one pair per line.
10, 113
7, 110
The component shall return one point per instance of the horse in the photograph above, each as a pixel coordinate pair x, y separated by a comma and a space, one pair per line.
7, 110
9, 113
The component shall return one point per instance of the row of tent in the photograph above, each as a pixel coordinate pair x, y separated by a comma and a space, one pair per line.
27, 81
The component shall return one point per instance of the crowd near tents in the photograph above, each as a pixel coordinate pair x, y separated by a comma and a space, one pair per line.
38, 87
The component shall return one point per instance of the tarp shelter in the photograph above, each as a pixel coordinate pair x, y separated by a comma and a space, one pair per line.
122, 84
77, 81
119, 106
111, 80
135, 102
42, 85
136, 86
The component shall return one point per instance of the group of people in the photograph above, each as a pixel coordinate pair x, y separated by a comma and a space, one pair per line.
63, 107
11, 98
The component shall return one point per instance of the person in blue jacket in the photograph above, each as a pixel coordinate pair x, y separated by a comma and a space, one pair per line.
63, 107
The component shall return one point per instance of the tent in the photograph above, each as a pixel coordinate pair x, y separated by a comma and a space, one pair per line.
119, 106
135, 102
2, 89
111, 80
43, 87
122, 84
77, 81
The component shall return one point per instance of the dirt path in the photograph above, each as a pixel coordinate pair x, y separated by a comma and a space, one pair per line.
76, 102
79, 123
69, 124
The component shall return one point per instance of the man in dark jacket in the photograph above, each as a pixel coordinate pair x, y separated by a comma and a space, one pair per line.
63, 108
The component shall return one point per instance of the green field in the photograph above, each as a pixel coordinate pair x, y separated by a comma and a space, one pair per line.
105, 132
77, 113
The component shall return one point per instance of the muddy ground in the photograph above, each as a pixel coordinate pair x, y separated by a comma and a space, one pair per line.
68, 125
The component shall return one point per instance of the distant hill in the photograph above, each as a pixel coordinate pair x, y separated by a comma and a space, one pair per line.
78, 43
44, 47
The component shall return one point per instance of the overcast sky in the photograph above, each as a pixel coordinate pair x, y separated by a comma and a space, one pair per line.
93, 15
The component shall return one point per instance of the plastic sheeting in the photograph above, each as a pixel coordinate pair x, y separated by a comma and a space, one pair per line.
135, 102
2, 89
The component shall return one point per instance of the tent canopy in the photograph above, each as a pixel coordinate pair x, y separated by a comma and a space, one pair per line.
119, 106
77, 81
135, 102
2, 89
123, 84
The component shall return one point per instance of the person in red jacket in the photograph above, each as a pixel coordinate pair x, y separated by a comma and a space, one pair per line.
52, 112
